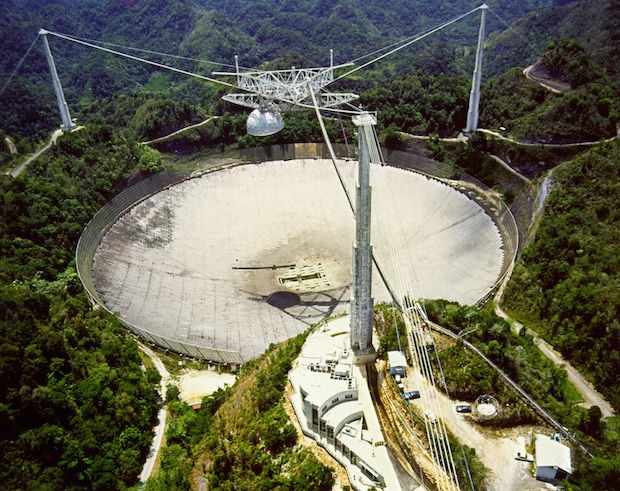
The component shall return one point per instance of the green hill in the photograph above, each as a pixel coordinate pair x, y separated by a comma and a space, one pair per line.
566, 283
593, 23
215, 30
77, 410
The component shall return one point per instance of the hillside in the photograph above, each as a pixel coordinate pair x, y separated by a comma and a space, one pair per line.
241, 438
588, 111
29, 104
593, 24
566, 282
77, 409
214, 30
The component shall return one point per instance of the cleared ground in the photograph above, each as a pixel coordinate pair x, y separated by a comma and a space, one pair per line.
250, 255
196, 384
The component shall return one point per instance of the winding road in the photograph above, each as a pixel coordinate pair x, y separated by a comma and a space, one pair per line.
510, 169
160, 429
553, 145
527, 72
591, 397
24, 165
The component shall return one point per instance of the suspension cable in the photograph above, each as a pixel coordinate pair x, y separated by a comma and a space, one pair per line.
152, 52
408, 43
6, 84
396, 43
136, 58
520, 36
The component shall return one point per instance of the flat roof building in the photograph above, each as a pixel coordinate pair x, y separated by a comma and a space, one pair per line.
397, 363
553, 462
334, 407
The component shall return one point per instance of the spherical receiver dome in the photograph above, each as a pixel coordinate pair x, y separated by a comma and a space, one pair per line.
264, 122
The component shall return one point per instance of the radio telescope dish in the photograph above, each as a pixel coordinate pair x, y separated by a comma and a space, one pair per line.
264, 121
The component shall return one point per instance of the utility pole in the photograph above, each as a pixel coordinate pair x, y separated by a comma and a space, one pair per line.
474, 96
67, 123
362, 305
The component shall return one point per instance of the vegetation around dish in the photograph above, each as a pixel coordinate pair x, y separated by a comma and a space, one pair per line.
77, 409
566, 282
241, 438
532, 113
468, 376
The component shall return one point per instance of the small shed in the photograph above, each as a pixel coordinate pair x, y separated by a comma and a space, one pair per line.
397, 363
342, 370
553, 462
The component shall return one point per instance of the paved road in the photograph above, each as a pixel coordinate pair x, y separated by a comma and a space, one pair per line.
590, 395
161, 416
532, 402
21, 168
459, 138
174, 133
510, 169
528, 75
554, 145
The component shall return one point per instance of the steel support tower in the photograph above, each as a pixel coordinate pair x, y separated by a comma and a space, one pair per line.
474, 96
362, 305
67, 123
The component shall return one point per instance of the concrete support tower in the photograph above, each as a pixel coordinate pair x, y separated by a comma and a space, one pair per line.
474, 96
362, 308
67, 122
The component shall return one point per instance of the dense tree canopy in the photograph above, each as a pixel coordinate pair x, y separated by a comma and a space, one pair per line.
76, 407
241, 438
567, 280
588, 112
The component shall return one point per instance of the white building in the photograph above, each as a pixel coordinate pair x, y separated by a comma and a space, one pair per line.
397, 363
553, 462
333, 405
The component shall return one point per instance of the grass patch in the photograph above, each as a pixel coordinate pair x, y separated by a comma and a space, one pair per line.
572, 394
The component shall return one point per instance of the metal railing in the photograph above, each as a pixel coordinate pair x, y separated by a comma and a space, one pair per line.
115, 208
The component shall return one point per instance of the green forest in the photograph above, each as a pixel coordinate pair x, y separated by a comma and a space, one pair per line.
423, 90
467, 376
241, 438
566, 282
77, 408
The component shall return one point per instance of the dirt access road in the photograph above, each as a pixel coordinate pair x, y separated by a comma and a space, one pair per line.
591, 396
161, 416
496, 449
24, 165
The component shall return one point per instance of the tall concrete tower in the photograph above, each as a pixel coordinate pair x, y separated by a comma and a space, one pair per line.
474, 96
67, 122
362, 310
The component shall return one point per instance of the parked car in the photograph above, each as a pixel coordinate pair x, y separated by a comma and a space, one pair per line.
412, 394
463, 408
431, 417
